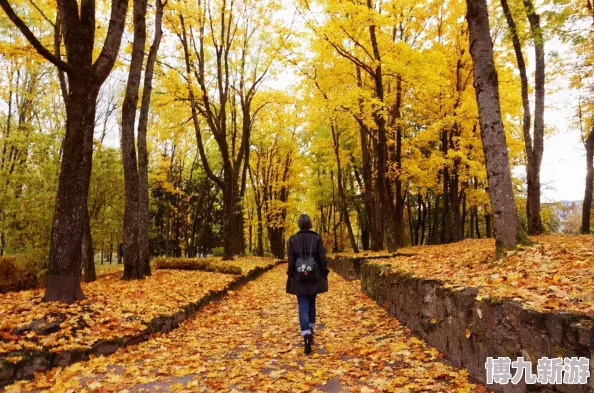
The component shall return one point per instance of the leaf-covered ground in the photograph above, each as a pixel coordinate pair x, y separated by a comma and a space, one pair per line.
363, 254
113, 308
250, 341
557, 272
214, 264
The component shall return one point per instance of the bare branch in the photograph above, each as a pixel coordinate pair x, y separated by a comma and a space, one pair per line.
41, 12
106, 60
43, 51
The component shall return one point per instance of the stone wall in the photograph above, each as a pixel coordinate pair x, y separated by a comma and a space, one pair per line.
347, 268
444, 318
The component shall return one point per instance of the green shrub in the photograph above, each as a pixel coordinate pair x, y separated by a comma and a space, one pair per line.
204, 264
18, 273
218, 252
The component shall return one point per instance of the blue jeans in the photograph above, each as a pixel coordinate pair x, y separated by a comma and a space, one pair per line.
307, 312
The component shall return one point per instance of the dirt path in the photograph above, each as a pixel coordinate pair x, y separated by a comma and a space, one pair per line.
250, 341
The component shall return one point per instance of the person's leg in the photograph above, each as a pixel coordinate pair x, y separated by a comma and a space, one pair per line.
312, 310
303, 302
312, 315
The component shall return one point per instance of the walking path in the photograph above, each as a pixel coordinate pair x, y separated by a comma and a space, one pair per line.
250, 341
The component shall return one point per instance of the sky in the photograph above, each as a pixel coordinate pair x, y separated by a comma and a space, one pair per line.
563, 171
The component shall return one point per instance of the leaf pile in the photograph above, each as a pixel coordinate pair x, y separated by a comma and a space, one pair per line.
250, 341
363, 254
557, 272
240, 266
113, 308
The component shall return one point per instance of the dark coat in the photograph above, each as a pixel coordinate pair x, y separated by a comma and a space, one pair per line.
305, 239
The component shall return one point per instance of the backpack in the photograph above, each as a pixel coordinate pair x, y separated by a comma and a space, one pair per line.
307, 268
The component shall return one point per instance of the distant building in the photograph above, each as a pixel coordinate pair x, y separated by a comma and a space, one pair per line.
566, 210
571, 204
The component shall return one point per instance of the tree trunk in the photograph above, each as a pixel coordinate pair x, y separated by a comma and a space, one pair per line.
276, 237
345, 214
435, 231
423, 222
63, 275
341, 192
368, 190
251, 230
460, 218
429, 214
371, 197
399, 198
458, 196
322, 219
133, 269
335, 249
446, 220
364, 236
471, 224
476, 223
420, 212
247, 127
260, 251
533, 173
217, 119
87, 253
533, 152
488, 223
410, 221
231, 245
85, 78
491, 124
587, 204
382, 182
238, 221
143, 191
120, 253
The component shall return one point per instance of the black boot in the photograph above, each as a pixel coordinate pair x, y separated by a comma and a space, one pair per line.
307, 342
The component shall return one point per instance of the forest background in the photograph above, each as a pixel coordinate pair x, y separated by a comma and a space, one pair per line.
215, 123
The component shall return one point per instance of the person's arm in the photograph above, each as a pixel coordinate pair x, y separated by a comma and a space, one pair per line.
291, 259
322, 254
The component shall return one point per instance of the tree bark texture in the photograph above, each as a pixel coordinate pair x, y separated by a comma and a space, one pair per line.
87, 253
491, 124
143, 191
534, 149
133, 269
587, 204
341, 192
533, 170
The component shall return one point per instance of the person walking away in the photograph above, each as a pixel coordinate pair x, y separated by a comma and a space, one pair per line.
307, 275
